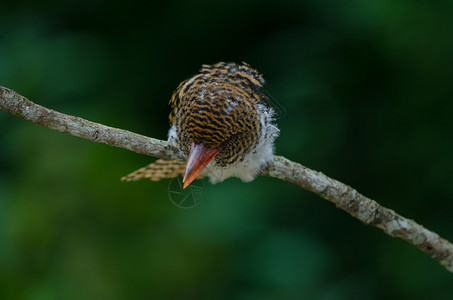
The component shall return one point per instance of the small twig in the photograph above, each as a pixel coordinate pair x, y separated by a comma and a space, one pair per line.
343, 196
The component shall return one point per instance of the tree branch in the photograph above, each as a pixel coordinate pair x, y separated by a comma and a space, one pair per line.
343, 196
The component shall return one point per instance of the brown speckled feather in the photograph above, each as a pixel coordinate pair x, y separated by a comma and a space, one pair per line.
160, 169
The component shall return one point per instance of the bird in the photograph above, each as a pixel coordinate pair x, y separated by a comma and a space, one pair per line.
221, 125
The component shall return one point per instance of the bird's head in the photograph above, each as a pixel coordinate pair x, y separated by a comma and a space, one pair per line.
220, 122
216, 117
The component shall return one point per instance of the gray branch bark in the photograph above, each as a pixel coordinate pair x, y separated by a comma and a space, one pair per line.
343, 196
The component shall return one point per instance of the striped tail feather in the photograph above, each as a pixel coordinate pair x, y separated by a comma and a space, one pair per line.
160, 169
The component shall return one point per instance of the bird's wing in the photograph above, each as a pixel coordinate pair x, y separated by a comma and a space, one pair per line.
160, 169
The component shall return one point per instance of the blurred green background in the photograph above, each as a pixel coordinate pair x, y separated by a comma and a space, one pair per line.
368, 91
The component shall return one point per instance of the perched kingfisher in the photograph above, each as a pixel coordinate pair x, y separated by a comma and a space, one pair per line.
221, 124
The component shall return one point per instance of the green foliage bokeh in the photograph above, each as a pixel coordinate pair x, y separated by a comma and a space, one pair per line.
368, 92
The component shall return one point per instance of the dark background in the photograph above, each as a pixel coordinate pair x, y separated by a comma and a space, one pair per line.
367, 90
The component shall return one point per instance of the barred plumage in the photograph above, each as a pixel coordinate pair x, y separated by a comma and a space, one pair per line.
219, 114
160, 169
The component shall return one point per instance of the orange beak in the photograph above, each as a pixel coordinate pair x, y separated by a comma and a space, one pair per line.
199, 157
